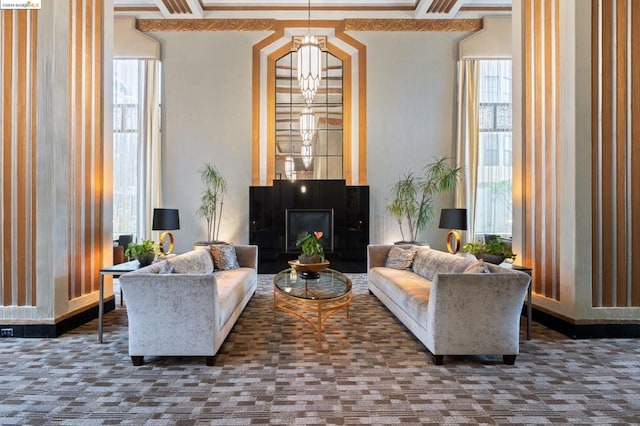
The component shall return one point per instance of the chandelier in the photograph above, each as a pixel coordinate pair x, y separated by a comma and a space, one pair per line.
307, 125
290, 168
309, 64
307, 154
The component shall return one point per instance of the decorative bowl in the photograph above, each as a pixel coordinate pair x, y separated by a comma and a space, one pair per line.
308, 267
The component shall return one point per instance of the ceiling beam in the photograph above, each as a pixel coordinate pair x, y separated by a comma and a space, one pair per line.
180, 9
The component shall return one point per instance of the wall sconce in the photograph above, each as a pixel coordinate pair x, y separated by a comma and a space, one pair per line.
454, 219
165, 220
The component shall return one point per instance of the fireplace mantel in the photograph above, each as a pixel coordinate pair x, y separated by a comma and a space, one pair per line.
348, 207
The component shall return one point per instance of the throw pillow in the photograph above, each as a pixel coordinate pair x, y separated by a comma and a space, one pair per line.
400, 258
477, 267
224, 257
166, 268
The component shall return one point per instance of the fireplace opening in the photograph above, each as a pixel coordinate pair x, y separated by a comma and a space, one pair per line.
299, 221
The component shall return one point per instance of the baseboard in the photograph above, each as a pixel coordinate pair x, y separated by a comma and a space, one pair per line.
58, 329
626, 330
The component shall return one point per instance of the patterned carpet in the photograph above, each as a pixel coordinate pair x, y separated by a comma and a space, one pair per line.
371, 370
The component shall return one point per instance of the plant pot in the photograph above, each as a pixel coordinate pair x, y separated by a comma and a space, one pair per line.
496, 259
303, 258
146, 259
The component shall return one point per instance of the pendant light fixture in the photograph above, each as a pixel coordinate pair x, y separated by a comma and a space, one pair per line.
307, 125
289, 168
309, 63
307, 154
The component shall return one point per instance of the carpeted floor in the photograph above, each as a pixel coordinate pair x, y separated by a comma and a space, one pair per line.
371, 370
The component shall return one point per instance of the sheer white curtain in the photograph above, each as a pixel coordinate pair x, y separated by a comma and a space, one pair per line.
484, 146
136, 164
150, 147
467, 139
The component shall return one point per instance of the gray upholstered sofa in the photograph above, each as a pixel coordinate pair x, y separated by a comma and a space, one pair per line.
181, 307
452, 312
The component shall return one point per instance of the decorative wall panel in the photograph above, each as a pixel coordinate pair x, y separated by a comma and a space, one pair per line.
85, 146
17, 157
616, 152
541, 145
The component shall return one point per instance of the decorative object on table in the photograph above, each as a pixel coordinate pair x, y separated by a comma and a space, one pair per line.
453, 219
493, 251
165, 220
211, 201
412, 195
312, 252
309, 270
144, 252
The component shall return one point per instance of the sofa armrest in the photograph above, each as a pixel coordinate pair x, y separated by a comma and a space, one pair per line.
247, 255
377, 255
475, 313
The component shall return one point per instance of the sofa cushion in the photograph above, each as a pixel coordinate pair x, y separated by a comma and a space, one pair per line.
477, 267
193, 262
428, 263
224, 256
400, 258
407, 290
233, 285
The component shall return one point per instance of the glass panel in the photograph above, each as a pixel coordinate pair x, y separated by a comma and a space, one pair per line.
126, 145
334, 167
494, 194
328, 111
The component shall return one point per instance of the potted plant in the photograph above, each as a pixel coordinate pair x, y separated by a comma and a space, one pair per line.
312, 250
495, 251
211, 201
145, 252
412, 195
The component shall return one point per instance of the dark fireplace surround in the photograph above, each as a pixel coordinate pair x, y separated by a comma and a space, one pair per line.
278, 213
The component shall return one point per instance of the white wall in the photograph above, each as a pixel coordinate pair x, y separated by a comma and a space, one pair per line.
207, 117
411, 94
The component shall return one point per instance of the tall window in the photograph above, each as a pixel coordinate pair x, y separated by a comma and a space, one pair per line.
494, 195
136, 145
327, 106
127, 86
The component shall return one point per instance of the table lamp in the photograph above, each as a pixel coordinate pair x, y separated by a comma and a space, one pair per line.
453, 219
165, 220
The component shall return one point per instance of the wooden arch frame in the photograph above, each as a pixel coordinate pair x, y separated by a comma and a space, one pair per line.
353, 55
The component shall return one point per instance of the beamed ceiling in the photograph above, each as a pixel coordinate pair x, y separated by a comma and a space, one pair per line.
320, 9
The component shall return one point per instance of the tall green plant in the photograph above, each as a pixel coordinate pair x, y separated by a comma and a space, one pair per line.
212, 199
412, 195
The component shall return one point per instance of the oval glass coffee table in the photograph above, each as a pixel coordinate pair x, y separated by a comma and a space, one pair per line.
313, 300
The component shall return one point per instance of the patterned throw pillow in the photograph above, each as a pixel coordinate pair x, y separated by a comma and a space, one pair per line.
400, 258
477, 267
224, 257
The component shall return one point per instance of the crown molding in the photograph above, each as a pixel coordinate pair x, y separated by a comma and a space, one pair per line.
442, 25
150, 25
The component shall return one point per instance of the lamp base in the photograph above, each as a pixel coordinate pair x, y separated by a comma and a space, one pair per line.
455, 247
161, 243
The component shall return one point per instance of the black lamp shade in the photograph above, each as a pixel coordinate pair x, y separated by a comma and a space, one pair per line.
453, 219
165, 220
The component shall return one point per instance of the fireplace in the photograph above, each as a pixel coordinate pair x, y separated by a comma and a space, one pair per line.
279, 213
298, 221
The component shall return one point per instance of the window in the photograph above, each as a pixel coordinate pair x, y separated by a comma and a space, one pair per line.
126, 145
494, 195
327, 142
136, 145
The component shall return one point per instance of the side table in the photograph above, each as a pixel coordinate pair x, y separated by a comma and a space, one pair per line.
111, 270
527, 271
